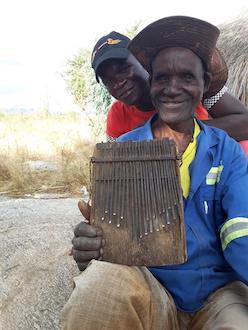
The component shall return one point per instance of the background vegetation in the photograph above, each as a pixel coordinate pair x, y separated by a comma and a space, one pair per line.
46, 152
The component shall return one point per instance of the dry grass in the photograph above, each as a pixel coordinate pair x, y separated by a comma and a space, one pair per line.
64, 142
233, 44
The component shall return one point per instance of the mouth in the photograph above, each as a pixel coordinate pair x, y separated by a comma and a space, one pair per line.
172, 104
126, 93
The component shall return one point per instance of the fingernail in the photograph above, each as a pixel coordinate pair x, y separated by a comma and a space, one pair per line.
101, 251
103, 242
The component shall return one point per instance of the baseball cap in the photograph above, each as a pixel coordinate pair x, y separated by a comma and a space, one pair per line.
113, 45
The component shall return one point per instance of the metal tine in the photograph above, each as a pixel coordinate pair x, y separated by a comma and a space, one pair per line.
144, 192
110, 169
138, 193
155, 193
129, 192
167, 185
114, 190
172, 182
151, 190
176, 183
106, 167
177, 174
136, 197
132, 206
146, 185
171, 186
99, 183
134, 191
105, 186
173, 178
124, 217
119, 187
124, 199
158, 195
163, 181
148, 191
162, 187
98, 190
93, 186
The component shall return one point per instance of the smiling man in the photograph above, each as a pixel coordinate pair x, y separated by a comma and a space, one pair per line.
209, 291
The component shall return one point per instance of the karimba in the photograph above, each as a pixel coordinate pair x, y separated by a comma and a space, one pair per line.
137, 200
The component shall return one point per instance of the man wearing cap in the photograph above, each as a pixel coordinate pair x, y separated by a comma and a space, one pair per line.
209, 291
127, 81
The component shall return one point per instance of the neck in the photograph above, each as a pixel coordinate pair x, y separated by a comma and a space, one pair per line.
145, 105
181, 133
145, 102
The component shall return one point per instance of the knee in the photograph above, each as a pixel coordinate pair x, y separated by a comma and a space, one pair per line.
104, 289
104, 280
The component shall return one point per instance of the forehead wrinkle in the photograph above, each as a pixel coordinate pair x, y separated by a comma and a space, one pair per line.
175, 57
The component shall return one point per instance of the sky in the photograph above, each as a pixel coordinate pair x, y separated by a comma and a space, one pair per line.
37, 37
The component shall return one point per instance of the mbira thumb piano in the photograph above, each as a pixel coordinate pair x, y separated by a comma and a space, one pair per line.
137, 200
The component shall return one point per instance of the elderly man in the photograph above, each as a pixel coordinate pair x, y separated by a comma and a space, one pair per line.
209, 291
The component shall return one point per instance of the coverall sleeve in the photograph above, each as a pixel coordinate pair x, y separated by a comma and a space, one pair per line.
234, 231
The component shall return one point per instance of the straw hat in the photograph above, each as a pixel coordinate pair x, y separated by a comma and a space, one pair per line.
182, 31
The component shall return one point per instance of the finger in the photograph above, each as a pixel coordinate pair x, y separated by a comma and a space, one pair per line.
84, 229
87, 244
85, 209
85, 256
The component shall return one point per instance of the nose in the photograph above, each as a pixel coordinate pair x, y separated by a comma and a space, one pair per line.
172, 87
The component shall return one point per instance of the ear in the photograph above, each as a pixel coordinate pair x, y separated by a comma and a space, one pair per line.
207, 81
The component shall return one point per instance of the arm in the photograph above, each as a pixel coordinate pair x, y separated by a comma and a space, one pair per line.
234, 231
229, 114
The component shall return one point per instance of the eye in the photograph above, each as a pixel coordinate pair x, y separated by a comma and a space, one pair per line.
161, 78
188, 77
107, 83
124, 69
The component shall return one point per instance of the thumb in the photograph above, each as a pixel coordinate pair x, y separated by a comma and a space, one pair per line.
85, 209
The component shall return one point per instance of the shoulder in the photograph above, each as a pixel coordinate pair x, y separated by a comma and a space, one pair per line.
221, 141
119, 106
115, 106
138, 134
115, 113
118, 109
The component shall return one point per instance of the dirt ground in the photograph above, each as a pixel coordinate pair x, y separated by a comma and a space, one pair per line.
36, 271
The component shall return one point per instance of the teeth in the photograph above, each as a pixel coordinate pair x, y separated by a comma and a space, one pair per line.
173, 102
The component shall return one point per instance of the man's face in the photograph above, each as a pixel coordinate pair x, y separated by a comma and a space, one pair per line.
177, 84
125, 79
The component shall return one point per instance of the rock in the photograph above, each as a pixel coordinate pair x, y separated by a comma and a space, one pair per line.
36, 270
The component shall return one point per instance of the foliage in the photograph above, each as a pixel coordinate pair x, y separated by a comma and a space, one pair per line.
82, 84
78, 77
131, 33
